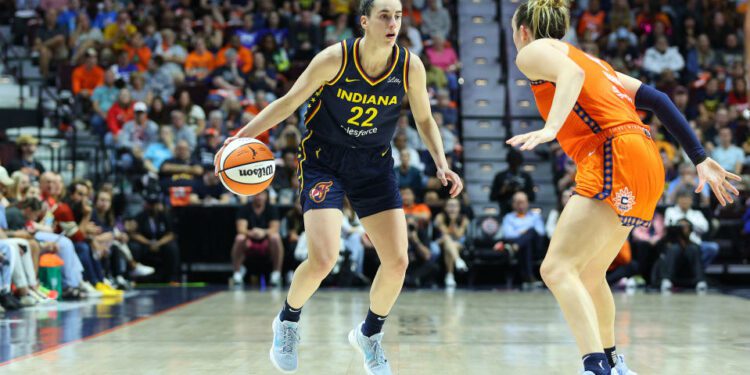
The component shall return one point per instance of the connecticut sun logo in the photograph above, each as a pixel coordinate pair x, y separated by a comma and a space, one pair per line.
624, 200
319, 191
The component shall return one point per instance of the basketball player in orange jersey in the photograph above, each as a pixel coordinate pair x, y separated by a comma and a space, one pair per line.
355, 90
591, 110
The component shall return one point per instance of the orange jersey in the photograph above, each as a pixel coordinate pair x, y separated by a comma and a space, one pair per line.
603, 104
617, 160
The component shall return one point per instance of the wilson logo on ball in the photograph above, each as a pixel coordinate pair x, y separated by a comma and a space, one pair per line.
258, 172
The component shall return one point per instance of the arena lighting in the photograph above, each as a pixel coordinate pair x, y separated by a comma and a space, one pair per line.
482, 103
480, 82
477, 19
521, 82
480, 61
480, 40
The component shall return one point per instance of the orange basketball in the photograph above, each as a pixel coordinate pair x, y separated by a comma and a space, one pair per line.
247, 166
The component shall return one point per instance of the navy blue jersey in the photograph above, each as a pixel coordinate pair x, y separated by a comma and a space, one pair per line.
354, 109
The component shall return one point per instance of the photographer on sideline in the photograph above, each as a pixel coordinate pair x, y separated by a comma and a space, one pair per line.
511, 181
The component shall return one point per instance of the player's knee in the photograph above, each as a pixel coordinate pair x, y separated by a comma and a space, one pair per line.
552, 274
397, 265
322, 265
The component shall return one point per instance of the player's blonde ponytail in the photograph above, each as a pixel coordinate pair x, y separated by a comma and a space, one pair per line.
545, 18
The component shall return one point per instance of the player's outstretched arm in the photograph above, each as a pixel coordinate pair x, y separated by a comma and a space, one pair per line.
323, 67
541, 60
420, 107
709, 171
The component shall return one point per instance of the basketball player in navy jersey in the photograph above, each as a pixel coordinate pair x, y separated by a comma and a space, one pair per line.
354, 90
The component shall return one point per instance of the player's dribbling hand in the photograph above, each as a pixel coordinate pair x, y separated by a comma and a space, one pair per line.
532, 139
217, 158
445, 175
709, 171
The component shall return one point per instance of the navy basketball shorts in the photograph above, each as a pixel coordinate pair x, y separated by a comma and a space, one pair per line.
365, 175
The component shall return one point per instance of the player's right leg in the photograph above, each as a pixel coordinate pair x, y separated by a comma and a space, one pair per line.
323, 228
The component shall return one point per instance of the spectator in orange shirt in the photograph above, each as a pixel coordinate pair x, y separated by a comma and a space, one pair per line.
120, 113
592, 20
200, 62
138, 53
419, 211
244, 56
87, 76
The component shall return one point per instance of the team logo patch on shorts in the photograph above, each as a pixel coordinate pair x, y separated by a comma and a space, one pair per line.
624, 200
319, 191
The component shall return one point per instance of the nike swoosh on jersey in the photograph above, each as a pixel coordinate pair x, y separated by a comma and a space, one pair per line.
351, 80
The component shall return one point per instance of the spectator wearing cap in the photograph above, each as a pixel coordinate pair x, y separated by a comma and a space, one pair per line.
26, 162
87, 76
120, 113
209, 144
139, 132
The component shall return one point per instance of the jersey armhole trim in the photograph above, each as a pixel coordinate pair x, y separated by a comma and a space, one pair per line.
343, 65
406, 70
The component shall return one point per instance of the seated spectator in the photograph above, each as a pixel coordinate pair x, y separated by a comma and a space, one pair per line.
138, 52
591, 22
687, 180
199, 63
452, 225
119, 114
292, 229
157, 152
442, 55
117, 34
139, 132
522, 232
400, 144
680, 249
182, 131
554, 215
180, 174
729, 156
26, 162
50, 42
412, 135
23, 220
698, 223
415, 37
662, 57
647, 245
123, 68
508, 182
158, 80
446, 108
436, 20
229, 76
84, 37
243, 56
173, 55
423, 261
450, 139
152, 241
17, 190
420, 211
263, 76
102, 100
435, 76
195, 115
87, 77
258, 235
208, 145
8, 258
208, 189
112, 238
106, 14
339, 30
305, 41
407, 175
138, 90
282, 181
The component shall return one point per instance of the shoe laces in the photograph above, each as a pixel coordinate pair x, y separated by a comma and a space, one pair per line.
291, 338
378, 353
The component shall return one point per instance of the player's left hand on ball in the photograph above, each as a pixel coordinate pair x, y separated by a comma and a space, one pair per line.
445, 175
217, 158
532, 139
